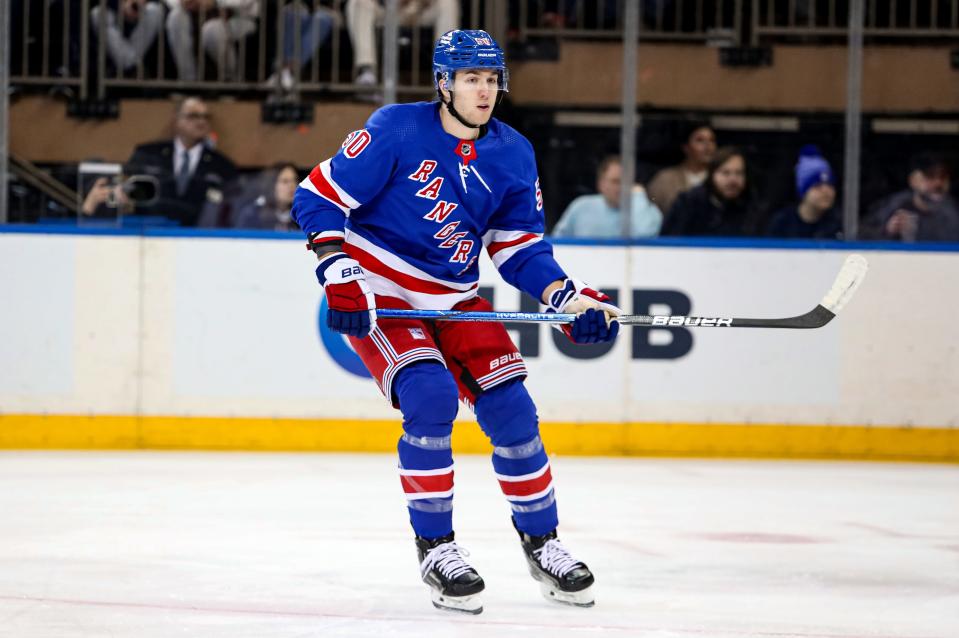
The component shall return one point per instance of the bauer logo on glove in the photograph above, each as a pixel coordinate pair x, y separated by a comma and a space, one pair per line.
352, 308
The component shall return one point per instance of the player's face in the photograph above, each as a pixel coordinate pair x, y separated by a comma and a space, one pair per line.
475, 91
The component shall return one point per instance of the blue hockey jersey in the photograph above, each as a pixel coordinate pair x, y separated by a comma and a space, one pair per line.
414, 206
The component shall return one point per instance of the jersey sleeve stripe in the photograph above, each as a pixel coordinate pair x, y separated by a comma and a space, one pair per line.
496, 235
321, 182
327, 169
502, 255
329, 236
309, 184
495, 247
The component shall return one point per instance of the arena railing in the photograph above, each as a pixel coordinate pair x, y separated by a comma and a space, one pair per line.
54, 43
888, 20
715, 21
58, 47
51, 55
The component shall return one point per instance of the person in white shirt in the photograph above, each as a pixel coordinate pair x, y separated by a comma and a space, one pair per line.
362, 17
598, 216
129, 29
225, 23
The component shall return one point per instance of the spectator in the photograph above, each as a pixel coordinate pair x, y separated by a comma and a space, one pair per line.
104, 199
270, 208
598, 215
314, 27
722, 206
923, 212
362, 17
225, 23
815, 216
130, 27
193, 178
698, 149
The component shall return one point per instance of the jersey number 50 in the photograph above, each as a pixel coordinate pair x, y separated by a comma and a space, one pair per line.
355, 143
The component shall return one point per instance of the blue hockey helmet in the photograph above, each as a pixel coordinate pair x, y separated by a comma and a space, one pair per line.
468, 49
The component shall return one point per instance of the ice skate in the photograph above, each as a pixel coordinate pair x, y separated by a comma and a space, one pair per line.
454, 584
561, 577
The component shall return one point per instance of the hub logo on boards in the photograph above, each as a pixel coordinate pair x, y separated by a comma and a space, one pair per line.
527, 336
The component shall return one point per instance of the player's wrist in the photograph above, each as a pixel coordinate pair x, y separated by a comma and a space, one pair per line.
550, 289
575, 297
324, 251
559, 295
337, 268
323, 246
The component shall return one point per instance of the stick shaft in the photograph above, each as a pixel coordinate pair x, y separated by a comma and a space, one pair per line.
456, 315
850, 276
816, 318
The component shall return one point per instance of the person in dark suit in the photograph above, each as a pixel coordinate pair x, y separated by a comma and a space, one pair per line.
194, 179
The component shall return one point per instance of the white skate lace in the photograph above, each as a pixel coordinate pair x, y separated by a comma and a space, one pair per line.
555, 558
448, 559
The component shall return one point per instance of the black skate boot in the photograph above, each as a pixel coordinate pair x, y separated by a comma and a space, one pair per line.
454, 584
561, 577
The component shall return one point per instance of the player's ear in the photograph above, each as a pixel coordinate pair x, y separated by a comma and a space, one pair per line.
442, 85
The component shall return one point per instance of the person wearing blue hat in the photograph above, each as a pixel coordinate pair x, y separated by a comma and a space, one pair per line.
815, 215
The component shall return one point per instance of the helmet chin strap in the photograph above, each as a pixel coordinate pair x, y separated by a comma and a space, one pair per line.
455, 113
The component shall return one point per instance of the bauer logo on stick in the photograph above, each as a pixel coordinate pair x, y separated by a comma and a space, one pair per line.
679, 320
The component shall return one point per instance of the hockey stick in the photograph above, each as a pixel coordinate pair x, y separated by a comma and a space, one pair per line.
850, 276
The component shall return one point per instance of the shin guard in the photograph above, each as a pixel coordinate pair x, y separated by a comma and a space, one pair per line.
427, 396
507, 415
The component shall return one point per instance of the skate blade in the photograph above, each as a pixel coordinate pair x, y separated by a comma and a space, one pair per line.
462, 604
582, 598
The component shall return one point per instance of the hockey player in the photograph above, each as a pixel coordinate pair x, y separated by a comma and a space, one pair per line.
397, 219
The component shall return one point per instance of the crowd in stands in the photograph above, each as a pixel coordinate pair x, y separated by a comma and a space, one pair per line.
215, 40
711, 192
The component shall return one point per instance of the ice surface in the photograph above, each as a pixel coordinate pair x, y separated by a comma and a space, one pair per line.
161, 544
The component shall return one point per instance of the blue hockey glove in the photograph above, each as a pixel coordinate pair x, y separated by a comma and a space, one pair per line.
350, 302
595, 316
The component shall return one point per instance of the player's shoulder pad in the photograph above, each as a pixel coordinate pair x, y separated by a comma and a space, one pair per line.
399, 121
511, 137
